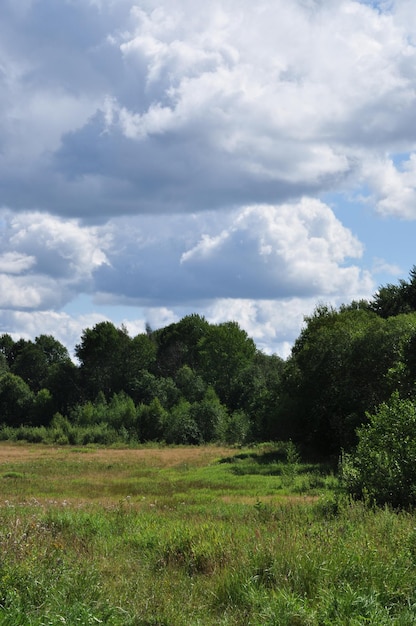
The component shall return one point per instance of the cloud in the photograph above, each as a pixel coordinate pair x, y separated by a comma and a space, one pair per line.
289, 249
65, 328
393, 185
61, 248
380, 266
15, 263
257, 252
272, 324
111, 108
251, 263
46, 260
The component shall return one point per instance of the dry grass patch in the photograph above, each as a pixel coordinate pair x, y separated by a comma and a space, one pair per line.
161, 457
101, 475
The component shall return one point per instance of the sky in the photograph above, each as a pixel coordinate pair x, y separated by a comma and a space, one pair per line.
241, 160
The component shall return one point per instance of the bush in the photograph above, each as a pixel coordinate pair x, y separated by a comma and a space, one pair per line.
150, 419
180, 427
121, 412
207, 415
383, 467
234, 428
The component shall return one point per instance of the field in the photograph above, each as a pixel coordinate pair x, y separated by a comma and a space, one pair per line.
194, 536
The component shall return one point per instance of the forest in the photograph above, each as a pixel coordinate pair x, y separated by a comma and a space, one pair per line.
194, 382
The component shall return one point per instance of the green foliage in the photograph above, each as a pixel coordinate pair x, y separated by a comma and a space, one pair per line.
61, 432
344, 364
191, 385
33, 361
141, 354
16, 400
118, 414
151, 419
208, 414
224, 352
121, 412
391, 300
178, 344
256, 393
180, 426
233, 428
64, 385
7, 348
43, 408
145, 386
101, 353
383, 467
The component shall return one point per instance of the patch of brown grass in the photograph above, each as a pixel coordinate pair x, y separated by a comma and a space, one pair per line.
47, 474
162, 457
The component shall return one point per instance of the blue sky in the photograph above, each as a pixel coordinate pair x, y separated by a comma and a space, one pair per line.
240, 160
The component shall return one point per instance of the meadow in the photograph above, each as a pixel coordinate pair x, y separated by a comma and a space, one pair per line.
183, 536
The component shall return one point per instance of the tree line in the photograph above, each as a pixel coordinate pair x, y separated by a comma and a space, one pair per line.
194, 382
190, 382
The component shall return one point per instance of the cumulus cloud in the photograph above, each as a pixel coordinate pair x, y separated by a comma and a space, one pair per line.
393, 185
257, 252
15, 263
64, 327
61, 248
113, 108
271, 324
46, 260
255, 264
286, 250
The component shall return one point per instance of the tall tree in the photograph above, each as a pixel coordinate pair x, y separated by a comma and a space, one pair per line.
16, 400
101, 353
256, 392
52, 349
31, 365
224, 352
393, 300
177, 344
6, 348
343, 365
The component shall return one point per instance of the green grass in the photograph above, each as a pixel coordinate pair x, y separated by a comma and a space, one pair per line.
177, 537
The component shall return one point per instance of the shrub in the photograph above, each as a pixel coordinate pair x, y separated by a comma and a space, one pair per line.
180, 427
150, 419
234, 428
383, 467
207, 415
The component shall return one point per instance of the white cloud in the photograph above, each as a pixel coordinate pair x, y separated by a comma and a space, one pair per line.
235, 262
115, 108
45, 259
61, 247
21, 292
290, 249
273, 325
380, 266
394, 187
65, 328
15, 263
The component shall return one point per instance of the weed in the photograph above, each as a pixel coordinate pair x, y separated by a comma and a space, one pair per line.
15, 475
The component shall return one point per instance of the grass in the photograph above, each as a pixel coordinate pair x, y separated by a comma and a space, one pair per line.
177, 536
